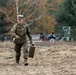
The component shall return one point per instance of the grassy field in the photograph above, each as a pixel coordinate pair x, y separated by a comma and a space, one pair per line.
50, 59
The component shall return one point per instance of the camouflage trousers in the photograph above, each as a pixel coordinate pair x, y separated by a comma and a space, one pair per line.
17, 49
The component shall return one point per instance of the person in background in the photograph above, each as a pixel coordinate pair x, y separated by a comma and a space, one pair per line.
52, 38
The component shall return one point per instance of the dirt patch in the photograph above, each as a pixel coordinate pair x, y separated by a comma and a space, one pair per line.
50, 59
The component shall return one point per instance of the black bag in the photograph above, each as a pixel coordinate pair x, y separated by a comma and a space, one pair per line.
31, 51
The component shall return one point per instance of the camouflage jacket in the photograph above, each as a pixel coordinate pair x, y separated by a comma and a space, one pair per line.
21, 31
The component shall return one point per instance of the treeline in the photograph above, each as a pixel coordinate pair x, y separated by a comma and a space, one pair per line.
67, 13
39, 13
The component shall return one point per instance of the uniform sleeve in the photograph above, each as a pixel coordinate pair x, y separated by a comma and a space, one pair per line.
29, 34
13, 30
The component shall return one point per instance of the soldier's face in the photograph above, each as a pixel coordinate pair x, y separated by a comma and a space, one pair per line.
20, 21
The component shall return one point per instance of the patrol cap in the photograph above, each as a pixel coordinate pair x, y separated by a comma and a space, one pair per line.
20, 16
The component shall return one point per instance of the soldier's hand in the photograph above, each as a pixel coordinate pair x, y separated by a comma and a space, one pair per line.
13, 39
30, 41
17, 37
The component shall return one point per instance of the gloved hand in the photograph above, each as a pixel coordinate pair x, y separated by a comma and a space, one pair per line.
30, 41
32, 44
17, 37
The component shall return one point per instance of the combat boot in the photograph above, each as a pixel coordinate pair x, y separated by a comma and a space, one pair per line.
17, 59
25, 62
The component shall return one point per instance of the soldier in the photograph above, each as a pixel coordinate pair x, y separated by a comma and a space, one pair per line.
19, 32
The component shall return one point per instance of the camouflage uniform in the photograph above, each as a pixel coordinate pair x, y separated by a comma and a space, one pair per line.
21, 31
